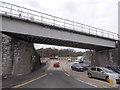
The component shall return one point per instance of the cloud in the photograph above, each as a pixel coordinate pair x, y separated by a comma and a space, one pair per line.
36, 5
98, 13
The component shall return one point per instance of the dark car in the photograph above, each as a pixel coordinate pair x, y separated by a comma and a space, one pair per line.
85, 66
77, 67
115, 69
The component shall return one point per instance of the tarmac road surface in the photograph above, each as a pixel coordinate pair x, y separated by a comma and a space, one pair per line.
56, 79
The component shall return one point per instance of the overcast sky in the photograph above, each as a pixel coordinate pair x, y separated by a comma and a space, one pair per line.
98, 13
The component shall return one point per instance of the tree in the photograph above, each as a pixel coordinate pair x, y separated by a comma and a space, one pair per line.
50, 52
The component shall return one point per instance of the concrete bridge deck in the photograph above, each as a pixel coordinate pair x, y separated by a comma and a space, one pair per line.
36, 29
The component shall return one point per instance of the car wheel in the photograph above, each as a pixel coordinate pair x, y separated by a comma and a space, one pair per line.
76, 69
89, 75
107, 79
83, 70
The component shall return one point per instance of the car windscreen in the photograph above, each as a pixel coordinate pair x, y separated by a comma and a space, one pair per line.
85, 65
78, 65
108, 70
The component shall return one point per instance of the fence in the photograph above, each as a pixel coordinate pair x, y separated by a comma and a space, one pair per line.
25, 13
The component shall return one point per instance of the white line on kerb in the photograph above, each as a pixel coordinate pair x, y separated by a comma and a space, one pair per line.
66, 74
80, 80
87, 83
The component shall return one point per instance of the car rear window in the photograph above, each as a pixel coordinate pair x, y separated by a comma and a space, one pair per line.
56, 62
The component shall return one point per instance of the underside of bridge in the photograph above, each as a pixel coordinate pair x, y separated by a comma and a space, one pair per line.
34, 32
52, 41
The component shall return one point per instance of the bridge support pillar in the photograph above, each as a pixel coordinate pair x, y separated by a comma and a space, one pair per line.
119, 52
106, 58
17, 57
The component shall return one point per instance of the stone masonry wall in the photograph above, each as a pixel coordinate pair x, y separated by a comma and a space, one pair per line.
105, 58
17, 57
6, 56
119, 52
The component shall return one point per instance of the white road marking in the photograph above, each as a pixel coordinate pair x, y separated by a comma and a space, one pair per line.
80, 80
62, 70
66, 74
104, 86
87, 83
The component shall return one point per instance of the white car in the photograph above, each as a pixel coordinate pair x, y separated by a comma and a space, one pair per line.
69, 60
76, 62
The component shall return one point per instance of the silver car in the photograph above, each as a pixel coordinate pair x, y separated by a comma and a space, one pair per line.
102, 73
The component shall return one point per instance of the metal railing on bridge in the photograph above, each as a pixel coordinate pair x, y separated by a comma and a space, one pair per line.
25, 13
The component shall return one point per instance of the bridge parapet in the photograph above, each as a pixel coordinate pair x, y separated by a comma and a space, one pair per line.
32, 15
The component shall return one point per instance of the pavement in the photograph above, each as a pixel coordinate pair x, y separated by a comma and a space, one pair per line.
9, 82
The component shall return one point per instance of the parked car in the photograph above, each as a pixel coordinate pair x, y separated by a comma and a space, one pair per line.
102, 73
117, 70
85, 66
76, 62
69, 60
77, 67
80, 59
56, 64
